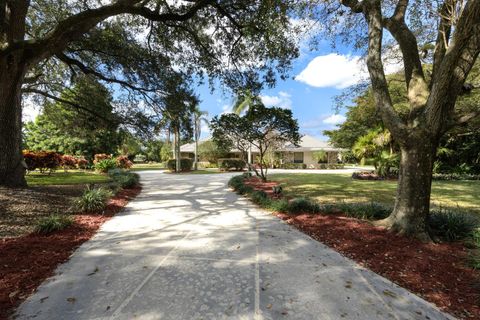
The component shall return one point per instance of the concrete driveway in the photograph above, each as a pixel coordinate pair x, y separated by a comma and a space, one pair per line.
188, 248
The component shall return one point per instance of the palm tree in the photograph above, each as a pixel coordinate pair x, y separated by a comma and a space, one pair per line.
199, 116
244, 101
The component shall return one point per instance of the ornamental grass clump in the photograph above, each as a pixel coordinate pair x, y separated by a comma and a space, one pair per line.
452, 225
124, 179
303, 205
93, 200
367, 211
53, 222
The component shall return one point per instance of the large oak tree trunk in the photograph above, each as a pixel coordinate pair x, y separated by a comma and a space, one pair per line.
412, 204
12, 166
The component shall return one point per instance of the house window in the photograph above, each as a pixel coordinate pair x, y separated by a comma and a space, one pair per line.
298, 157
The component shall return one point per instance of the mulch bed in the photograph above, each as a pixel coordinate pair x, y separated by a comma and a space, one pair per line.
438, 272
257, 184
26, 261
20, 209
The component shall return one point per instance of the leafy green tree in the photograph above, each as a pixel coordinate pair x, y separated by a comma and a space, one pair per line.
198, 117
177, 106
262, 127
211, 152
320, 156
69, 126
166, 152
130, 145
453, 27
44, 43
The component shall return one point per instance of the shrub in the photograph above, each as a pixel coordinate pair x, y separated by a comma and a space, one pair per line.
124, 179
259, 196
93, 200
127, 180
475, 255
369, 211
123, 162
455, 176
302, 205
82, 163
105, 165
100, 157
42, 160
243, 189
236, 182
450, 225
53, 223
280, 205
185, 164
293, 166
68, 162
229, 164
140, 158
207, 165
328, 208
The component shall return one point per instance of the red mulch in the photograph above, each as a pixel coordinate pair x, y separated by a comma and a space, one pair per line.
436, 272
257, 184
25, 262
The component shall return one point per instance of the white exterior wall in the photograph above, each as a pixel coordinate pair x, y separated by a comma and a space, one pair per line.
308, 158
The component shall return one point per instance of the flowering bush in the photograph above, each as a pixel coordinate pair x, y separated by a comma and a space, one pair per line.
42, 160
68, 162
82, 163
123, 162
100, 157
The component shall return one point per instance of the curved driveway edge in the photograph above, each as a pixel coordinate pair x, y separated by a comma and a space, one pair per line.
188, 248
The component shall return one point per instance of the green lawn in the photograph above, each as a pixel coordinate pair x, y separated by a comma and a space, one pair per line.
147, 166
337, 187
70, 177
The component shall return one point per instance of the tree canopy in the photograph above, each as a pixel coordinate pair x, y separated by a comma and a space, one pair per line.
261, 128
136, 46
444, 34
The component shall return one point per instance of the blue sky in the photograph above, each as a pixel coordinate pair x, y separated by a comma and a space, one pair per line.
315, 79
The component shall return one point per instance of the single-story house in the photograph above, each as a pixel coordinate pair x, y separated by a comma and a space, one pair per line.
301, 154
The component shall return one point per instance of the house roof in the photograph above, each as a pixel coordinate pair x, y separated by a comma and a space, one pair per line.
307, 143
190, 147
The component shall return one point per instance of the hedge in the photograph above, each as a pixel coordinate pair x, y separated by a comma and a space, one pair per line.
229, 164
185, 164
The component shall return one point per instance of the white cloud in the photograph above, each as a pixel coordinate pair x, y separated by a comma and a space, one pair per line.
341, 71
334, 119
323, 122
282, 100
226, 109
332, 70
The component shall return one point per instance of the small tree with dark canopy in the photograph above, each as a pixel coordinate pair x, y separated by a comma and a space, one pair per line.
262, 127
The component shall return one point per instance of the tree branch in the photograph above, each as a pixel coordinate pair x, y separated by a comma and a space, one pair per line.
70, 103
377, 75
73, 62
417, 87
454, 68
78, 24
354, 5
443, 36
